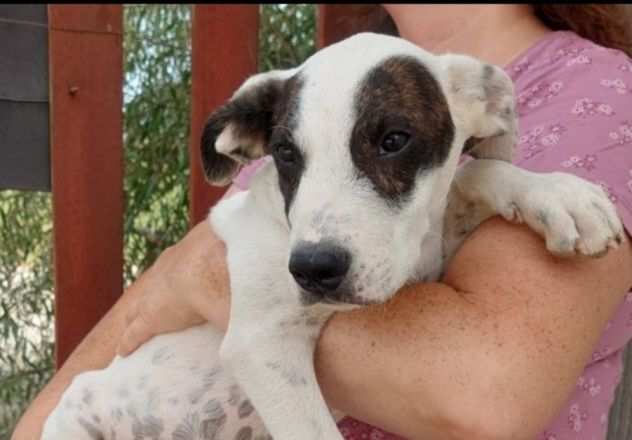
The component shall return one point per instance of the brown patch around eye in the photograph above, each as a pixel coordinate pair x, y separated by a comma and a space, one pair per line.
400, 94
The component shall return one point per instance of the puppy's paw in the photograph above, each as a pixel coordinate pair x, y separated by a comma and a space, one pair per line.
574, 216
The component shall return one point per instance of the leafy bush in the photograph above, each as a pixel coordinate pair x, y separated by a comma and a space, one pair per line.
156, 132
26, 301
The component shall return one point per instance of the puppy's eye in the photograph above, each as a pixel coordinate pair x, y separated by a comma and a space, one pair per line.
285, 153
394, 142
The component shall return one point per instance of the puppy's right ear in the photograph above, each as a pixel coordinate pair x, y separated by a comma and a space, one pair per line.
481, 98
237, 132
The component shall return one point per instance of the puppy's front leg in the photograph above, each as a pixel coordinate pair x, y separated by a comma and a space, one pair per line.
272, 359
573, 215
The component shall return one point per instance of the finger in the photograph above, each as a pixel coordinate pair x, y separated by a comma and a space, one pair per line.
134, 336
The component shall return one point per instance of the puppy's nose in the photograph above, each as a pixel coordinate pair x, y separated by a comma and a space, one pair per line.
319, 268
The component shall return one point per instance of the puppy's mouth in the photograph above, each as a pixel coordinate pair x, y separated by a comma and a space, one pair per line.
343, 300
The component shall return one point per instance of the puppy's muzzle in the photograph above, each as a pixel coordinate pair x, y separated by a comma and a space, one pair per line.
319, 269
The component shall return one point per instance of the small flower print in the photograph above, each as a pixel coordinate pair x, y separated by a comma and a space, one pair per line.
586, 106
535, 102
550, 139
587, 162
616, 84
561, 53
522, 66
376, 435
589, 386
538, 94
540, 138
626, 67
556, 86
623, 135
576, 418
605, 109
581, 59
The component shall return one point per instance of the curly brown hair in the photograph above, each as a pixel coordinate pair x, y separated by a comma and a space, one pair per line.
608, 25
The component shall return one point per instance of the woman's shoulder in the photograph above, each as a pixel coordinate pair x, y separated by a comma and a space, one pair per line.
574, 102
564, 69
564, 53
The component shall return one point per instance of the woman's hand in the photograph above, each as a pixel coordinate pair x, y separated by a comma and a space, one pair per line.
187, 285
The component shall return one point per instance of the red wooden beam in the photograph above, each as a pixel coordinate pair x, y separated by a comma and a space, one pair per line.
334, 23
86, 80
339, 21
225, 43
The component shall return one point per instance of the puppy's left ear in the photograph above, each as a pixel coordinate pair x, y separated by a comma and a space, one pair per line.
481, 98
238, 131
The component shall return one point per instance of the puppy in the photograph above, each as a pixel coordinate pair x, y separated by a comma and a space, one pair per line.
363, 195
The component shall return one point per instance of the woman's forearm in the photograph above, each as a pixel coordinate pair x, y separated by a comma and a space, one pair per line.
496, 362
367, 362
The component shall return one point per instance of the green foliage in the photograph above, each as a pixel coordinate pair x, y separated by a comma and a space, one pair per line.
26, 301
286, 35
156, 133
156, 114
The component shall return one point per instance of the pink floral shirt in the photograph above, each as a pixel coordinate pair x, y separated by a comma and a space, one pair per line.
575, 109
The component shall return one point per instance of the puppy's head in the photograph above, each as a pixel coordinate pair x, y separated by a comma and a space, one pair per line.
365, 136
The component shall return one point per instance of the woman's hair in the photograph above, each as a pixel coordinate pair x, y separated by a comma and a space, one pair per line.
608, 25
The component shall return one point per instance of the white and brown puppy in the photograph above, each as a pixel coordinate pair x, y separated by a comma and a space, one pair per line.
362, 196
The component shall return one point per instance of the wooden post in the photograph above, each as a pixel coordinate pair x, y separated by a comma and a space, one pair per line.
339, 21
225, 43
334, 23
86, 81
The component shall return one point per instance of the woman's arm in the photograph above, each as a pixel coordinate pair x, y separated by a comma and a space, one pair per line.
493, 352
440, 360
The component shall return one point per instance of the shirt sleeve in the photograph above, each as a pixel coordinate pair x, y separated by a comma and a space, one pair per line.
577, 118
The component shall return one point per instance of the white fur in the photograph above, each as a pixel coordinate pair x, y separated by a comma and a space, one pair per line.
268, 348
